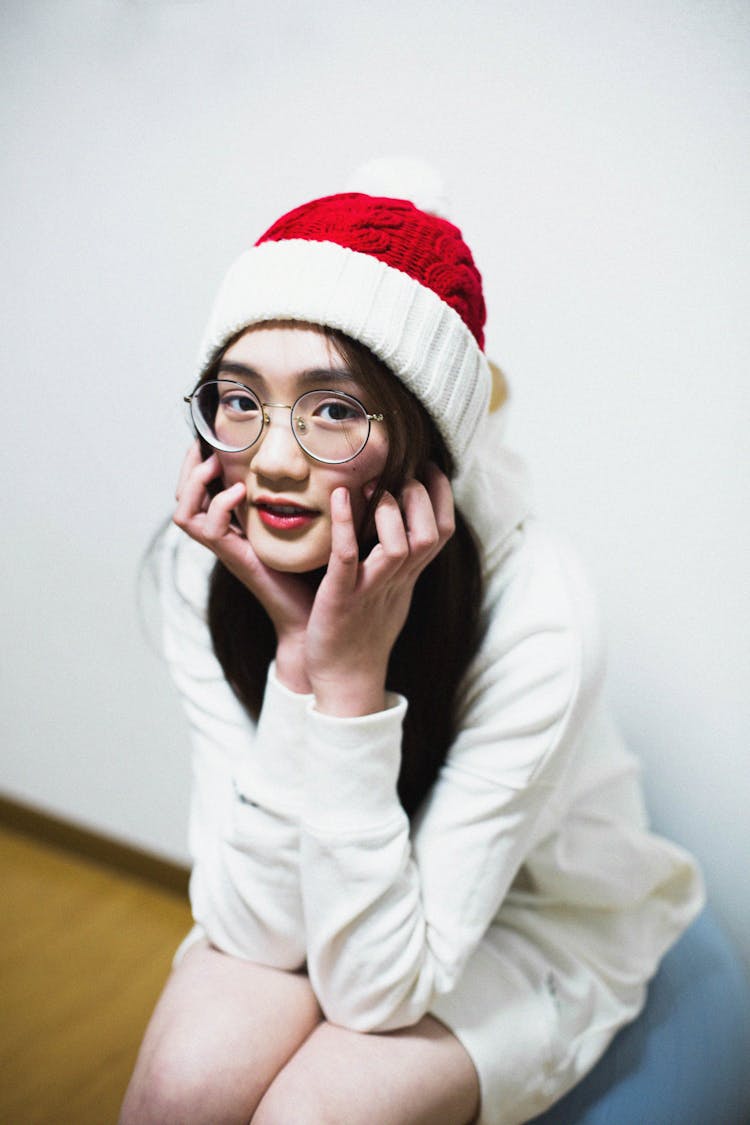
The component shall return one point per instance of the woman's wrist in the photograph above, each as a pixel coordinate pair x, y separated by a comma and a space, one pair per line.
291, 669
349, 695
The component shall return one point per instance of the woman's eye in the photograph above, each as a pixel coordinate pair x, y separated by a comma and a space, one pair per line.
334, 410
239, 403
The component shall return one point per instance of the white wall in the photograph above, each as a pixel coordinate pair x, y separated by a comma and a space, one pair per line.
596, 155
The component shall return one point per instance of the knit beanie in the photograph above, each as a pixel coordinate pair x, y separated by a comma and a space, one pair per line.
398, 279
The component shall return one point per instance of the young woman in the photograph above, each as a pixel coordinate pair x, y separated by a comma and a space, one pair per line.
423, 887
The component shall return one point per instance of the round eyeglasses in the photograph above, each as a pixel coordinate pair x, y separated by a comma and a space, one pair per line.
330, 426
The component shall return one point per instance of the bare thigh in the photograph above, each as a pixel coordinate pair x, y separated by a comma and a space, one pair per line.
416, 1076
221, 1031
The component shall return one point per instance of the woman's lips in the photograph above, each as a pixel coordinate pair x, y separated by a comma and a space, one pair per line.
281, 516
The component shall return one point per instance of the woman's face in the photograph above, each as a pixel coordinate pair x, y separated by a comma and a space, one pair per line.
286, 514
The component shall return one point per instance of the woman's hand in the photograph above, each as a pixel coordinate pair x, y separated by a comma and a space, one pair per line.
360, 607
286, 598
337, 642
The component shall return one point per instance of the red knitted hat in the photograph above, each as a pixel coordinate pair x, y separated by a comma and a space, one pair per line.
400, 280
424, 246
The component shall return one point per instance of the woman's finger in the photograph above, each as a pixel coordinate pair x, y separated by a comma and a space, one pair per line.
193, 492
429, 514
421, 525
218, 517
443, 506
392, 549
344, 561
440, 495
192, 458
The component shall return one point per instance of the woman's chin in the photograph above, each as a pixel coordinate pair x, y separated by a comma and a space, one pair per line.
288, 558
296, 568
288, 552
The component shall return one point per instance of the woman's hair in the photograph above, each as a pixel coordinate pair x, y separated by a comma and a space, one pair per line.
442, 631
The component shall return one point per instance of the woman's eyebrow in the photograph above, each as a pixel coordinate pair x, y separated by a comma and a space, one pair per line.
310, 377
232, 367
314, 375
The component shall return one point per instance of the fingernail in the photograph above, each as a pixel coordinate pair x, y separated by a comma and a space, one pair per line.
369, 490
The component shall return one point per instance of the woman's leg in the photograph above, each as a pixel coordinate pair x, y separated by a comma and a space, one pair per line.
221, 1031
417, 1076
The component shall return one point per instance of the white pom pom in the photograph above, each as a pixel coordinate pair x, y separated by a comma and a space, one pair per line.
402, 177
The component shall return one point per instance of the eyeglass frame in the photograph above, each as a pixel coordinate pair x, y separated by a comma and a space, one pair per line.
266, 419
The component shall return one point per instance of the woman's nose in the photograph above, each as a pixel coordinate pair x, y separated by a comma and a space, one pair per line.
277, 452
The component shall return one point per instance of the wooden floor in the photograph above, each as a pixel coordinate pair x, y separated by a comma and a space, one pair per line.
84, 952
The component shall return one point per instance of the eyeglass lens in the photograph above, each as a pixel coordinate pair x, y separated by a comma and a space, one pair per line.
328, 425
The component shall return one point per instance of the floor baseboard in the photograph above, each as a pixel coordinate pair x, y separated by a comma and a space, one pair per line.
93, 845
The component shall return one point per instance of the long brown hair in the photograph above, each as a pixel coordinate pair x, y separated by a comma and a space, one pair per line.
442, 632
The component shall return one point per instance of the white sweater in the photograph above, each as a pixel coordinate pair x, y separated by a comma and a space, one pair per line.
303, 855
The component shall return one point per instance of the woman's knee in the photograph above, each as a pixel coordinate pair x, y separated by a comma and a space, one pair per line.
178, 1084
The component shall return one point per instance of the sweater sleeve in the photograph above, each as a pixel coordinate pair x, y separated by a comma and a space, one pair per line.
393, 913
246, 785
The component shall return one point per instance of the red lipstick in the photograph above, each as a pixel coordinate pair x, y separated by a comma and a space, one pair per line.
283, 515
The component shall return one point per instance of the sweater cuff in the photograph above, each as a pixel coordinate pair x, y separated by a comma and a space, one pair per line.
270, 775
351, 769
